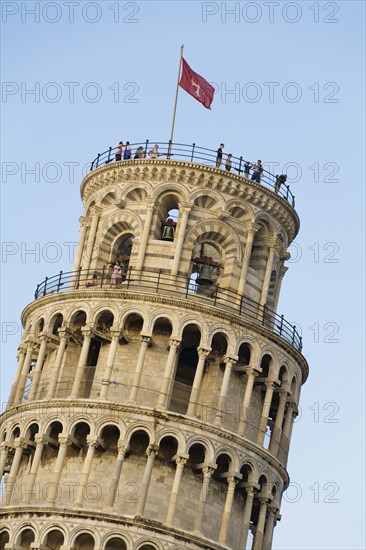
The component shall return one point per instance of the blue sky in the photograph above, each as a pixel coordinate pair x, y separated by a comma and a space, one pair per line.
108, 72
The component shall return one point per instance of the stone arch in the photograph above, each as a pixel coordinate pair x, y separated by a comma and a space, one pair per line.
83, 539
205, 443
78, 317
188, 320
54, 534
176, 189
265, 220
103, 314
25, 536
283, 375
4, 537
215, 231
115, 541
81, 418
162, 315
55, 321
240, 210
234, 459
207, 199
252, 465
252, 342
108, 197
139, 427
176, 434
138, 191
148, 544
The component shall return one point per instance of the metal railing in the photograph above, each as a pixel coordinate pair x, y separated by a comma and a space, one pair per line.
159, 282
193, 153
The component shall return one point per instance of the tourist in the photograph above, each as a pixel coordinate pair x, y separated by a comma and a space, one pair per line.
119, 151
128, 151
219, 155
257, 171
228, 162
280, 180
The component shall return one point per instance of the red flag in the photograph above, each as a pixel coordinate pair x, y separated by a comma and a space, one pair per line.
196, 85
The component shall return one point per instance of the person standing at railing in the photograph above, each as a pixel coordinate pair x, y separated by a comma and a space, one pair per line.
228, 162
257, 171
116, 277
139, 153
128, 151
119, 151
247, 167
154, 152
280, 180
219, 155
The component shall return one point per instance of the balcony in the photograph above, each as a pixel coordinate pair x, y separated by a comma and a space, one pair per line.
195, 154
179, 287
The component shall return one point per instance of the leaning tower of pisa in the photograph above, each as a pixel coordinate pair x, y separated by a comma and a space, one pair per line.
156, 386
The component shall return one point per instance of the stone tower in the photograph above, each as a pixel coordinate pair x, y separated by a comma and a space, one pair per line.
156, 386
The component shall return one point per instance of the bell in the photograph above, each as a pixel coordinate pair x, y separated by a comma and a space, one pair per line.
168, 233
204, 277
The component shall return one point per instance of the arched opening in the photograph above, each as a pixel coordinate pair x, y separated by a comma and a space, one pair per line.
133, 326
4, 539
147, 547
256, 503
244, 355
40, 326
167, 449
197, 456
51, 449
138, 444
206, 263
25, 539
101, 339
121, 252
84, 542
79, 442
110, 436
116, 544
54, 540
185, 370
56, 323
167, 217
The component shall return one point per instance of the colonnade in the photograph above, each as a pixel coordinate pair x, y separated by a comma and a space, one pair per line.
263, 531
281, 428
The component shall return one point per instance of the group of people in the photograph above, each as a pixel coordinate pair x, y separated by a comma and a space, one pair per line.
257, 168
124, 152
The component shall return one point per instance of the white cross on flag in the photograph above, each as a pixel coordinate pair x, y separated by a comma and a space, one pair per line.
196, 85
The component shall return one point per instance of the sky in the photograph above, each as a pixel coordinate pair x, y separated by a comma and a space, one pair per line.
77, 77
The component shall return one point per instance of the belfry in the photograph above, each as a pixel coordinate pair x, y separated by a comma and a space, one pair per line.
156, 385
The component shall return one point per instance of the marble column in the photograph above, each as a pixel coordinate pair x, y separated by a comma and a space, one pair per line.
151, 452
64, 442
267, 277
64, 335
40, 441
265, 412
145, 235
290, 416
180, 461
184, 209
168, 373
110, 363
21, 357
270, 523
122, 449
25, 372
251, 230
196, 387
250, 492
225, 520
79, 252
277, 428
93, 443
19, 446
251, 373
4, 449
259, 531
145, 342
207, 474
44, 339
87, 332
88, 251
229, 362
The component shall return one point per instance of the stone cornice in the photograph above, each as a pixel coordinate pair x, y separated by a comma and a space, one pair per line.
206, 177
166, 416
138, 295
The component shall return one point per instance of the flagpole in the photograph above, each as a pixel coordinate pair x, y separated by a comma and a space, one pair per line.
175, 102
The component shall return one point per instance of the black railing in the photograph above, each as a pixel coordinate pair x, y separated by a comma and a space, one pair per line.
193, 153
180, 287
